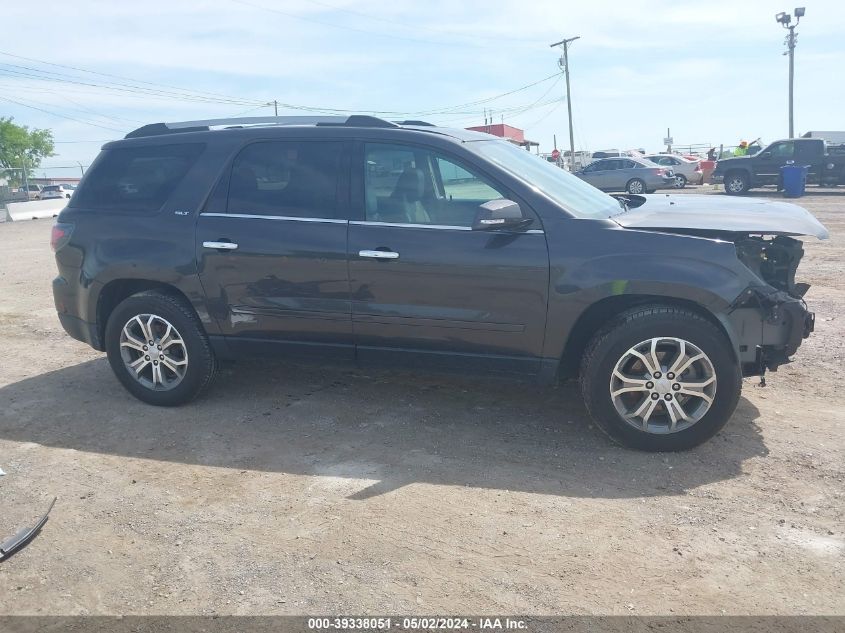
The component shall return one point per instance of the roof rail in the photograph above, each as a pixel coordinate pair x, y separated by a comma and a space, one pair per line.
355, 120
417, 123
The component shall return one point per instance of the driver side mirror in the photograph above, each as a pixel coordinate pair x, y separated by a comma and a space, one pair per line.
499, 214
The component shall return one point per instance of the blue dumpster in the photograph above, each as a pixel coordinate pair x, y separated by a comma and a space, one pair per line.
794, 179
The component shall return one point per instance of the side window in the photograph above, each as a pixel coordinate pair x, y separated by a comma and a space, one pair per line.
783, 150
135, 179
413, 185
629, 164
459, 184
287, 178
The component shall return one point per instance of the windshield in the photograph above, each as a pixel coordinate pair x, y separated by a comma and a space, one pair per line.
573, 194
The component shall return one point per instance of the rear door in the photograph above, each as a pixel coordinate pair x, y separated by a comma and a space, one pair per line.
426, 288
271, 249
810, 152
616, 176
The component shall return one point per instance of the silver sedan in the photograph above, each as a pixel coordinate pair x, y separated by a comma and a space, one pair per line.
686, 171
633, 175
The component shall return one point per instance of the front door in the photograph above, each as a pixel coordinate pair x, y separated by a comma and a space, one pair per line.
596, 173
272, 253
426, 288
767, 163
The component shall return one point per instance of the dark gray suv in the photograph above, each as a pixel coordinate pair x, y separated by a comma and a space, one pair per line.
357, 239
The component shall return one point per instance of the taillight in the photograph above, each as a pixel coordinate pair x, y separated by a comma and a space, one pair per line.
60, 235
660, 172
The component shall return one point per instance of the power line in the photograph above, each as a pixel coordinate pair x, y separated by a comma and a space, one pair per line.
122, 78
214, 98
510, 112
118, 87
25, 105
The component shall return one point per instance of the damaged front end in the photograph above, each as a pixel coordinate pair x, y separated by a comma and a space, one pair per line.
770, 320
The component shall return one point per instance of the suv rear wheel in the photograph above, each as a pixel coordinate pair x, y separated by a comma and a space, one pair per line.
158, 349
660, 378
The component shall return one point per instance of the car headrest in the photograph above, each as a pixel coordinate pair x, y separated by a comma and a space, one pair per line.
410, 186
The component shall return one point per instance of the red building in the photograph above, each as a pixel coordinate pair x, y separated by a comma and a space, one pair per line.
513, 134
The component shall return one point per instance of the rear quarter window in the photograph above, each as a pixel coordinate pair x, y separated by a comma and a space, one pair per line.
136, 179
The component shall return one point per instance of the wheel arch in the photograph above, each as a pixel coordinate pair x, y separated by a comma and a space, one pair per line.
605, 310
116, 290
637, 178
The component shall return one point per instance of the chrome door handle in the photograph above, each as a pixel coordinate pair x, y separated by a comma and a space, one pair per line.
222, 246
379, 254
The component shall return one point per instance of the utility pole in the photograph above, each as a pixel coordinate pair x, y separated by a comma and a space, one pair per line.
25, 178
564, 62
276, 107
785, 20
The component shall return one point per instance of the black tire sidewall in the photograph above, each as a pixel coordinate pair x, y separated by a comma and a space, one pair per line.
682, 181
696, 331
200, 359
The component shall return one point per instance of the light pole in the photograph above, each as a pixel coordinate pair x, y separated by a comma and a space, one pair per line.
785, 20
564, 63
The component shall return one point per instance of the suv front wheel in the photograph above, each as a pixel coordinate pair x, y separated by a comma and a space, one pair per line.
736, 183
660, 378
158, 349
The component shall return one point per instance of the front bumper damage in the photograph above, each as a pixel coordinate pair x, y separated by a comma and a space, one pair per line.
769, 326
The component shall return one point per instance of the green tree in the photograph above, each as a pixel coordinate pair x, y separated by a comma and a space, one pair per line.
22, 147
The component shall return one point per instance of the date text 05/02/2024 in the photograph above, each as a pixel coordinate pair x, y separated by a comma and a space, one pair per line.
417, 623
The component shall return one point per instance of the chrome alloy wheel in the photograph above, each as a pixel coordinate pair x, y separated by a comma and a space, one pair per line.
663, 385
636, 187
153, 352
735, 184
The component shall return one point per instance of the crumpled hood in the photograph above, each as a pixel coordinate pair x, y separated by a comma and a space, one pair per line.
721, 213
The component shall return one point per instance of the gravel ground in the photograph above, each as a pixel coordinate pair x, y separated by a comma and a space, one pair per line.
294, 490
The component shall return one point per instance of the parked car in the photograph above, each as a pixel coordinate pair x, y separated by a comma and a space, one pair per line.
741, 173
633, 175
607, 153
23, 194
51, 192
357, 239
686, 171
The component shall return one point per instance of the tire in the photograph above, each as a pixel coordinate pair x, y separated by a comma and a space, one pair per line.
736, 183
680, 181
189, 364
613, 344
635, 186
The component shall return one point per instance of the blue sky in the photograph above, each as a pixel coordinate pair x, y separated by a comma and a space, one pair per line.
711, 71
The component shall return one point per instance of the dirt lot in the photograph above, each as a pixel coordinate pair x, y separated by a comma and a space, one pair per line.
290, 490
